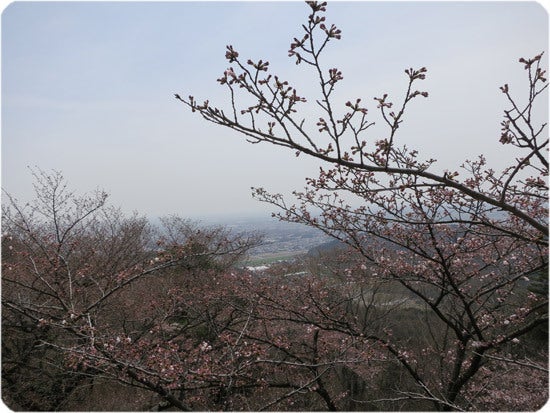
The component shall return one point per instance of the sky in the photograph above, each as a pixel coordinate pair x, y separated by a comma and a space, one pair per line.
88, 90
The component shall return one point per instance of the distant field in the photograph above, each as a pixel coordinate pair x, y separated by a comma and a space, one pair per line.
271, 257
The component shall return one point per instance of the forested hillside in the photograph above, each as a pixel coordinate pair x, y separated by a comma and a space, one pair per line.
103, 311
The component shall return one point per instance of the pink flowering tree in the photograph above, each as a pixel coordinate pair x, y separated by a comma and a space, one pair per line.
87, 293
92, 296
466, 249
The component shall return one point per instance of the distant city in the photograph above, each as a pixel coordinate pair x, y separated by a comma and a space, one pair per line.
282, 240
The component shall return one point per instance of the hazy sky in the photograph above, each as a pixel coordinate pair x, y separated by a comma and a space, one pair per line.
87, 89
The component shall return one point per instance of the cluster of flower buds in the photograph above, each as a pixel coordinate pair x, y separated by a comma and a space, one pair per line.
416, 74
506, 135
418, 92
231, 54
297, 43
382, 102
355, 106
529, 62
335, 75
540, 75
322, 125
295, 98
279, 85
261, 65
316, 6
333, 32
